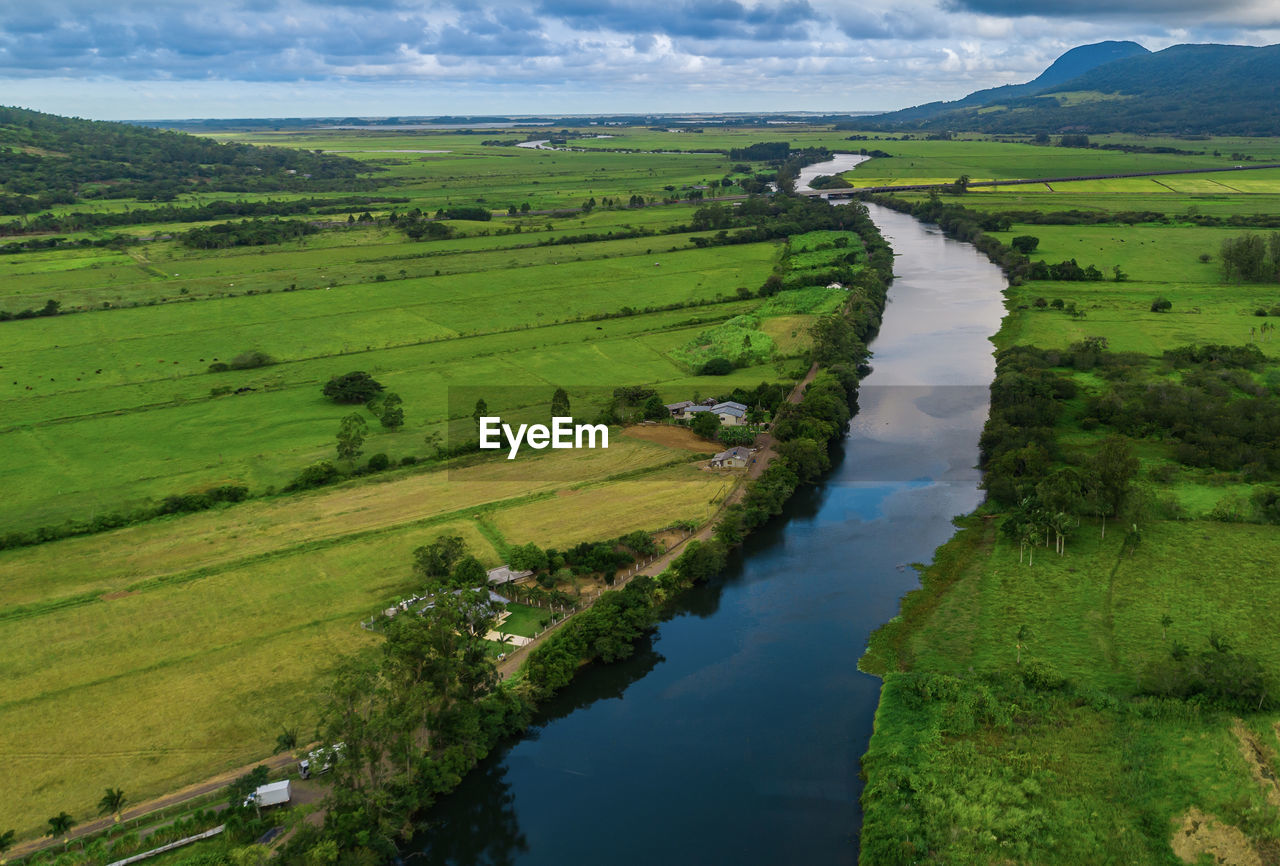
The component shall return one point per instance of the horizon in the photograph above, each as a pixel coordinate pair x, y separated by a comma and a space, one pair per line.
264, 59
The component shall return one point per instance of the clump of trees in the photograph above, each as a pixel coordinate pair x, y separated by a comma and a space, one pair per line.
244, 361
354, 387
1251, 258
246, 233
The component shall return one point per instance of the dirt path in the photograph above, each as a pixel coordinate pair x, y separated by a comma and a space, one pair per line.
764, 455
141, 810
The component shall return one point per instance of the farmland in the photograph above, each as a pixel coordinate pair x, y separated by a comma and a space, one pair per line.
159, 652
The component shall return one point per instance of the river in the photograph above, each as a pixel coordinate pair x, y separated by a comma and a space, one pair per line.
734, 733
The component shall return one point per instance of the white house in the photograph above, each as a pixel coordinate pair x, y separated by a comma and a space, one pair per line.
735, 458
731, 414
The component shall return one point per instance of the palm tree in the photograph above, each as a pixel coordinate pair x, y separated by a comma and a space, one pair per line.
60, 825
1165, 622
112, 803
286, 741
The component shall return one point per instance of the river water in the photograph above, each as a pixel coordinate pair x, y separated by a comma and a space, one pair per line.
734, 733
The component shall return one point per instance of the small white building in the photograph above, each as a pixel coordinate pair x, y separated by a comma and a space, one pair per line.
735, 458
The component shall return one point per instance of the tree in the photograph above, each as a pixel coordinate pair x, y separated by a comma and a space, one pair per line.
654, 410
807, 458
560, 404
437, 558
1112, 469
528, 557
286, 741
390, 412
7, 838
112, 802
432, 440
481, 411
1020, 638
60, 824
705, 424
1165, 622
1025, 244
351, 436
468, 573
354, 387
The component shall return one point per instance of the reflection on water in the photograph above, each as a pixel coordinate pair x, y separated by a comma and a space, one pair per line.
734, 734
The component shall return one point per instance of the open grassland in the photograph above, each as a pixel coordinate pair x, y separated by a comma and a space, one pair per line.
1160, 262
1090, 770
170, 651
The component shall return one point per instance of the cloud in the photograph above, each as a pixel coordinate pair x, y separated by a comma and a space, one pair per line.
697, 19
1243, 13
553, 55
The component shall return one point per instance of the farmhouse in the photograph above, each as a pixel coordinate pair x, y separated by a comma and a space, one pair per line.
731, 414
677, 409
735, 458
504, 574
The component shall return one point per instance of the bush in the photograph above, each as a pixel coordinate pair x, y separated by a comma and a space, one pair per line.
318, 473
716, 367
354, 387
1161, 305
250, 360
378, 462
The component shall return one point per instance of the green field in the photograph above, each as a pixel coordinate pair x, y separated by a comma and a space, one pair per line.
162, 653
1014, 725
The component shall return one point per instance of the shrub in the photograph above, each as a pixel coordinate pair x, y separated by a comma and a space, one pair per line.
354, 387
378, 462
1161, 305
716, 367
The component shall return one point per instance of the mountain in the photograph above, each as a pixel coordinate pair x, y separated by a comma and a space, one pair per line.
1075, 62
1185, 89
1082, 59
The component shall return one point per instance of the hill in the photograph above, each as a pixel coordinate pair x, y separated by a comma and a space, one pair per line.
48, 160
1075, 62
1185, 89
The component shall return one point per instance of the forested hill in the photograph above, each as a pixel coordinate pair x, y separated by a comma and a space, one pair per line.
1185, 89
1075, 62
46, 160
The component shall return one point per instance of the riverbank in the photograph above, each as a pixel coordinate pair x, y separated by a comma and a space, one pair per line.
1086, 674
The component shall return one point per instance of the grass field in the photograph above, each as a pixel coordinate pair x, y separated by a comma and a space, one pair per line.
167, 652
1090, 771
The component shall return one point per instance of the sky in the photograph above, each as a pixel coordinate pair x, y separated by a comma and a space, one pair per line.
144, 59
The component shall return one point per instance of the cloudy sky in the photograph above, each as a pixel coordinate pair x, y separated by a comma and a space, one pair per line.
116, 59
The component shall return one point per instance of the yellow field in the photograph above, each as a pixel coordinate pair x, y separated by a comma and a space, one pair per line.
181, 647
650, 502
790, 333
